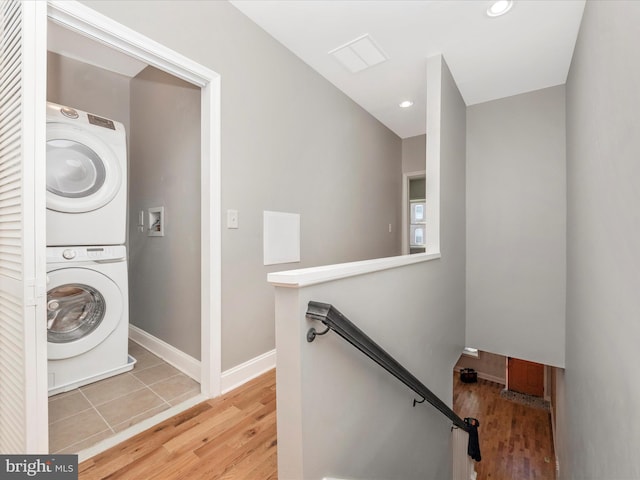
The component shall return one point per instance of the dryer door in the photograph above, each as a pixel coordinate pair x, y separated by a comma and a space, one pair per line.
83, 308
83, 172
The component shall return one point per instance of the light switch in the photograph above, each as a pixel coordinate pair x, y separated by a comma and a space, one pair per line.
232, 219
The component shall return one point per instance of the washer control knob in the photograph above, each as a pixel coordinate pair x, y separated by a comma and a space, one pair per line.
69, 112
69, 254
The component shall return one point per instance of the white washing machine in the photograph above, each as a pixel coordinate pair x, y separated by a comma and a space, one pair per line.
86, 178
87, 315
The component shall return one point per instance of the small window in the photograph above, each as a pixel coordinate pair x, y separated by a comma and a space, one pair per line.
417, 215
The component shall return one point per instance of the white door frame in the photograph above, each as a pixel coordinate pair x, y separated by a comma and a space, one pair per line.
84, 20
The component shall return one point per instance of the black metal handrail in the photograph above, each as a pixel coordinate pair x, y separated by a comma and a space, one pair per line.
336, 321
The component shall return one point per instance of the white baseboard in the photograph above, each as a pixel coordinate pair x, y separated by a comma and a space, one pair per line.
230, 379
240, 374
491, 378
170, 354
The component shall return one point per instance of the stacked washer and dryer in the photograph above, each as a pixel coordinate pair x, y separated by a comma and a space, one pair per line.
87, 284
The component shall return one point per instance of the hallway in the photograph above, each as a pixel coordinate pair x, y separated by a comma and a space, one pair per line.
515, 440
234, 437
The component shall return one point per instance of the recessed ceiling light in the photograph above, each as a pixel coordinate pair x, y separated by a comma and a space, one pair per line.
406, 104
499, 8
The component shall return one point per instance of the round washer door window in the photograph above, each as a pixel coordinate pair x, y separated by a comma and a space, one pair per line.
74, 311
83, 173
83, 308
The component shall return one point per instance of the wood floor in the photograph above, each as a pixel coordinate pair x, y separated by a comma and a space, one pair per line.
232, 437
515, 440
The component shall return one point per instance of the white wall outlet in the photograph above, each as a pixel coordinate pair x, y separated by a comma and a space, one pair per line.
389, 228
232, 219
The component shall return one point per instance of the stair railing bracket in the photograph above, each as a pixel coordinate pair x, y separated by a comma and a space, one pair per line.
418, 401
312, 333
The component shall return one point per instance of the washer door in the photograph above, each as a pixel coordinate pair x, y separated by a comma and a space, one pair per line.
83, 308
83, 173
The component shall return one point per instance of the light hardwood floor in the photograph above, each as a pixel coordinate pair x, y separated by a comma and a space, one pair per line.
231, 437
515, 440
234, 438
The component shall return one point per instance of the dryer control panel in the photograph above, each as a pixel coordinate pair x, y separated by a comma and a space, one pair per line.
107, 253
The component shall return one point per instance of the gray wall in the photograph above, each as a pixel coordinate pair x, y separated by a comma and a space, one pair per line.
85, 87
290, 142
489, 364
164, 272
453, 152
516, 222
339, 414
603, 235
414, 153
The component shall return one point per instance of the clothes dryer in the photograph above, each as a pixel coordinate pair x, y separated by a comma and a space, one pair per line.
87, 315
86, 178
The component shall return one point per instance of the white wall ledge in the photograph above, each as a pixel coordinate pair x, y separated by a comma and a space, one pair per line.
311, 276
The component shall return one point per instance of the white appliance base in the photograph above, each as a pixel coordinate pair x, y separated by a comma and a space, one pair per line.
94, 378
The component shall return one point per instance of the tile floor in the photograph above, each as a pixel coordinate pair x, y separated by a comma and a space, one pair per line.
84, 416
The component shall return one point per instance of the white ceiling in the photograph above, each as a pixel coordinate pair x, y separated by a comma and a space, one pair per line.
527, 49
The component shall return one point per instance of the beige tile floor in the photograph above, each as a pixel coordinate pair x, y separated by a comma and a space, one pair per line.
84, 416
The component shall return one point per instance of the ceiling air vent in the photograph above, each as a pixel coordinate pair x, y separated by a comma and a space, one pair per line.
359, 54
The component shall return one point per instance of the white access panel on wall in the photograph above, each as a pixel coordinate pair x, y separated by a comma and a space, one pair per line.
281, 237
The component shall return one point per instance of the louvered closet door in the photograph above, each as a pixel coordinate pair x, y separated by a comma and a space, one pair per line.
23, 364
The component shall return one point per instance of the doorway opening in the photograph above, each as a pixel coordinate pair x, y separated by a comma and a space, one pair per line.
526, 377
159, 70
414, 213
